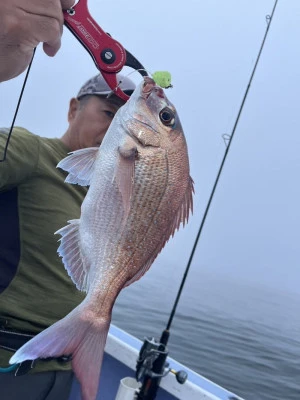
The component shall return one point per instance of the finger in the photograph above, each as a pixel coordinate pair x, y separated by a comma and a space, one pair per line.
48, 31
52, 49
66, 4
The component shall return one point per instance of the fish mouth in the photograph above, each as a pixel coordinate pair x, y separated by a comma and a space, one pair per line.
147, 87
146, 98
150, 86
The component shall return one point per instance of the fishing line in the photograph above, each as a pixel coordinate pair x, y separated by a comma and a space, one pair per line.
143, 72
165, 334
17, 109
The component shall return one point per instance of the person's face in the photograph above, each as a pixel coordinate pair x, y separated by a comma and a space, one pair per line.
89, 120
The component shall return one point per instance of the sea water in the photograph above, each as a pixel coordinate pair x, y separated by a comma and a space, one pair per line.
244, 337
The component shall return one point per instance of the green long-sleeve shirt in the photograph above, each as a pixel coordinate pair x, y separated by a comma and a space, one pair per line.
34, 203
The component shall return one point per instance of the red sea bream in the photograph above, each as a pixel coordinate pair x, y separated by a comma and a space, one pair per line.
140, 191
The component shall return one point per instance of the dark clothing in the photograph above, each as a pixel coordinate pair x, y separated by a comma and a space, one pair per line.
9, 238
51, 385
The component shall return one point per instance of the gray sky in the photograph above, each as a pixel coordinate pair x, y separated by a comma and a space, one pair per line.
252, 231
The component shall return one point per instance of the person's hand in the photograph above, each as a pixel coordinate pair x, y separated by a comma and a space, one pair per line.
23, 25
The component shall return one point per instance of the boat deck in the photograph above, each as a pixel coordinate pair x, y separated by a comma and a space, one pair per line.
119, 361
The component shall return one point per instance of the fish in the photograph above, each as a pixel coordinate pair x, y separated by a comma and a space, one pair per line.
140, 193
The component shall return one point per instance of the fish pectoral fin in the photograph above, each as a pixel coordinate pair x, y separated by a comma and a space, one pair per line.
124, 173
183, 212
80, 165
70, 251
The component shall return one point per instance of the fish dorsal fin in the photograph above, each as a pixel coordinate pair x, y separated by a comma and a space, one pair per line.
80, 165
181, 216
71, 254
124, 173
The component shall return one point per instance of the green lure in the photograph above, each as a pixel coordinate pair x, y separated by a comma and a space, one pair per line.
162, 79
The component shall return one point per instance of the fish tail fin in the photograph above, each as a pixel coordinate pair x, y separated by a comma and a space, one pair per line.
87, 360
80, 335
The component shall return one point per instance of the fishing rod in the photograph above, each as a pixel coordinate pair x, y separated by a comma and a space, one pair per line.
151, 365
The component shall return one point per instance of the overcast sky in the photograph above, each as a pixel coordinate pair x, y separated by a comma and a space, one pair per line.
252, 231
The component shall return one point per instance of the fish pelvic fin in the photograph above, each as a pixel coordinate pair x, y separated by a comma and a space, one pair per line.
73, 259
80, 165
80, 335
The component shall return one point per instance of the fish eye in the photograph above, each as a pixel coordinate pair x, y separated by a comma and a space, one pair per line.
167, 116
